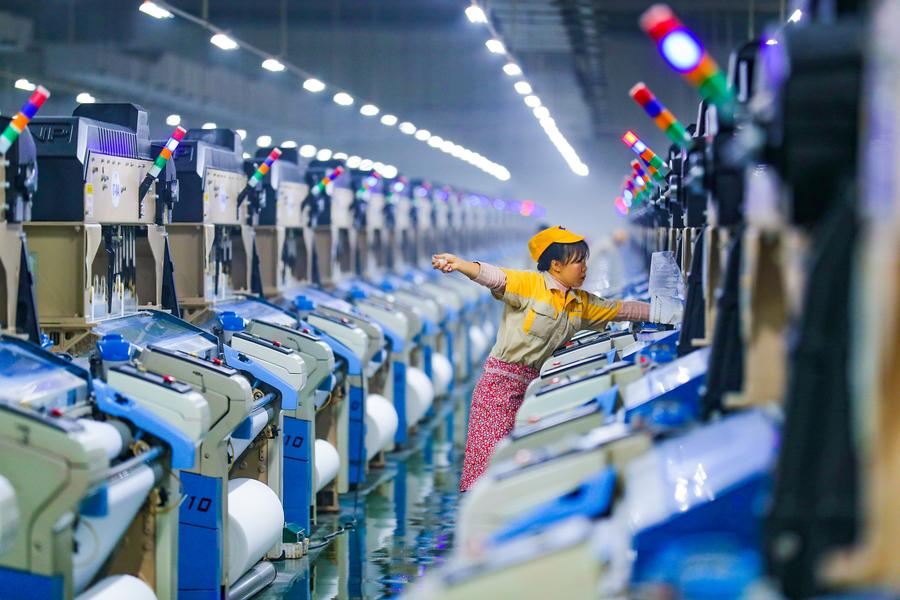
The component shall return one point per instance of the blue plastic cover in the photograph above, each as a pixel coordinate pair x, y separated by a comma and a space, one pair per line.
395, 338
303, 303
591, 499
668, 394
607, 400
231, 321
113, 403
429, 327
237, 360
114, 347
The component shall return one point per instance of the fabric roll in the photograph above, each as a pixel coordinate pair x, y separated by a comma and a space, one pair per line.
381, 424
328, 461
255, 521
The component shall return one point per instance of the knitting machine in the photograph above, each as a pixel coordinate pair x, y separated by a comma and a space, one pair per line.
95, 470
98, 232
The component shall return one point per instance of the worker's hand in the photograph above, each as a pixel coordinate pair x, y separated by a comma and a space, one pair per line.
446, 262
665, 309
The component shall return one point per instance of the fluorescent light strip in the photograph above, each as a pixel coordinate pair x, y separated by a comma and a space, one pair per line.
512, 69
161, 9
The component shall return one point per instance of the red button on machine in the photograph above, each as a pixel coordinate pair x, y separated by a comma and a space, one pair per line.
168, 379
276, 343
217, 361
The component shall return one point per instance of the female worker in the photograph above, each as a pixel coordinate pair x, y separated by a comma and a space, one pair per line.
543, 310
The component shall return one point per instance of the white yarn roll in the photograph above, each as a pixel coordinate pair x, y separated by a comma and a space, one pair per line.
479, 342
119, 587
9, 513
441, 373
419, 395
258, 421
489, 331
381, 424
328, 461
97, 536
255, 521
109, 436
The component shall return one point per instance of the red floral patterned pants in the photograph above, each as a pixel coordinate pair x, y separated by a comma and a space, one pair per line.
497, 396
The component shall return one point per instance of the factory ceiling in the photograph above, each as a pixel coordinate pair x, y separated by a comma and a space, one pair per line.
421, 60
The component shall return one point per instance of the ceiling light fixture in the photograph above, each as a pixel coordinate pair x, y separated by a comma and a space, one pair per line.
313, 85
24, 84
512, 69
343, 98
369, 110
475, 14
224, 42
271, 64
154, 10
495, 46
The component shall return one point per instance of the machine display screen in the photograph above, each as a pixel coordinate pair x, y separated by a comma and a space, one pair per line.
149, 329
26, 380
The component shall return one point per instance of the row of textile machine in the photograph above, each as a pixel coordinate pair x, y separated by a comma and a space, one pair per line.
752, 453
202, 351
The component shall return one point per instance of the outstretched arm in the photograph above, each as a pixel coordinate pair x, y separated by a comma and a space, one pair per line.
659, 310
491, 277
448, 263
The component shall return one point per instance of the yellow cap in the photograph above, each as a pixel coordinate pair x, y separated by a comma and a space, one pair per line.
542, 240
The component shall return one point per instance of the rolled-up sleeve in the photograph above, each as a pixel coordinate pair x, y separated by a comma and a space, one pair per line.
598, 312
491, 277
633, 311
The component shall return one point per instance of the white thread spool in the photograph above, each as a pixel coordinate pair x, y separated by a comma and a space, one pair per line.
441, 373
419, 395
381, 424
328, 461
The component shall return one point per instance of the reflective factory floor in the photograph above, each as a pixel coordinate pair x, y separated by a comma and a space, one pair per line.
398, 525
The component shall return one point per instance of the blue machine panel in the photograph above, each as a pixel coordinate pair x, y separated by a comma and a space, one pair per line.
357, 435
200, 538
400, 402
297, 473
20, 585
